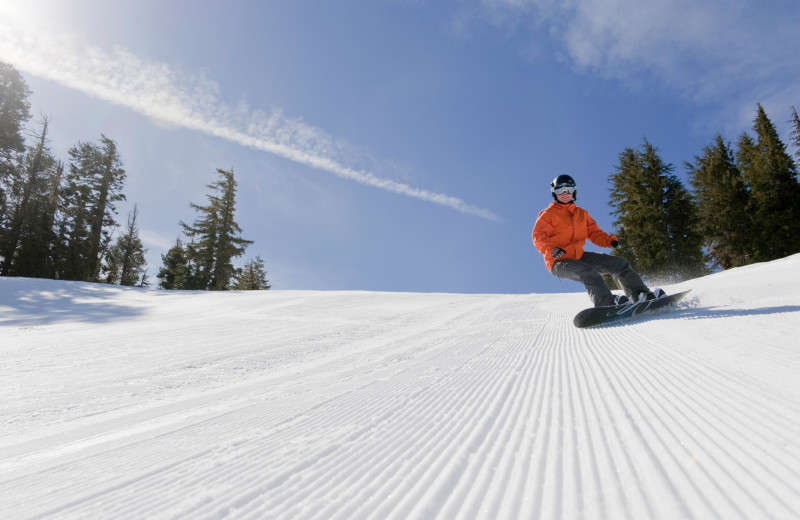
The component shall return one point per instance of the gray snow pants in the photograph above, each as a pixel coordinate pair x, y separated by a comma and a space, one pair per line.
589, 270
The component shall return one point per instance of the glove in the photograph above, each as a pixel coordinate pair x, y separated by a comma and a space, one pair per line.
615, 244
557, 252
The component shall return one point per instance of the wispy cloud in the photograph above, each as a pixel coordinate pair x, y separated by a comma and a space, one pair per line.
162, 93
723, 52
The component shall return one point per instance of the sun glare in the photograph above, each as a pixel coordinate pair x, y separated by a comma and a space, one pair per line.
36, 15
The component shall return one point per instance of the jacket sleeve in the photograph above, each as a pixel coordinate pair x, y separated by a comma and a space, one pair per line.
542, 231
596, 235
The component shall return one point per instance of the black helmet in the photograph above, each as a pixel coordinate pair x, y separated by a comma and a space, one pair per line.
563, 181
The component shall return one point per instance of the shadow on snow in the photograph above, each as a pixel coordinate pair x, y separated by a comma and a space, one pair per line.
700, 313
711, 313
39, 304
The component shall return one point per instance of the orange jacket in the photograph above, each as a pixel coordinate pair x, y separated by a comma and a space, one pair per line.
566, 226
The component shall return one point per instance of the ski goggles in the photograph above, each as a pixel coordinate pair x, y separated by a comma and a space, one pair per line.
564, 189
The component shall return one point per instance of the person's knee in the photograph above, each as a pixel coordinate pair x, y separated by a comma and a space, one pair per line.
591, 277
621, 265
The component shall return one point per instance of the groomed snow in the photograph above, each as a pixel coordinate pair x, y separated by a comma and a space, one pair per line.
135, 403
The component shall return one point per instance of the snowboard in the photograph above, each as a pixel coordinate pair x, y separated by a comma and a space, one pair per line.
603, 315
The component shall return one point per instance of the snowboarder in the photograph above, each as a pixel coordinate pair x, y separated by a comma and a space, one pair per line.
559, 234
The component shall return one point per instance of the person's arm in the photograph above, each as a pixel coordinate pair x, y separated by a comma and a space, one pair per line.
542, 231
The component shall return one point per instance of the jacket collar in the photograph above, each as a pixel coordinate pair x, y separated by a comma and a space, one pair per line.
570, 208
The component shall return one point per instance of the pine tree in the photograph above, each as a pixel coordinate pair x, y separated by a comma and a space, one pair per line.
637, 199
14, 112
215, 239
28, 241
174, 274
656, 218
771, 177
201, 251
252, 277
94, 184
795, 122
126, 260
725, 222
683, 227
72, 230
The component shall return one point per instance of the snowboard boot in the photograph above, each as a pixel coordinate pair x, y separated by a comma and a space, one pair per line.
643, 296
621, 299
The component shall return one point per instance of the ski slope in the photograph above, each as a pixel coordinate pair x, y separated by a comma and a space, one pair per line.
138, 403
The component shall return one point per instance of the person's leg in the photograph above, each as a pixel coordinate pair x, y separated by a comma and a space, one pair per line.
620, 269
582, 272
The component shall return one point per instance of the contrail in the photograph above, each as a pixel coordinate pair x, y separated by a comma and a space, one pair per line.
158, 91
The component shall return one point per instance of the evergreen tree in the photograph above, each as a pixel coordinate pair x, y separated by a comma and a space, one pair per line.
14, 112
723, 209
771, 177
214, 235
656, 218
631, 199
201, 251
683, 228
28, 240
94, 184
795, 122
126, 261
174, 274
72, 230
252, 277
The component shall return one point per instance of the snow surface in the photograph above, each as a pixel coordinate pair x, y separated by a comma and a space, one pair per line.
138, 403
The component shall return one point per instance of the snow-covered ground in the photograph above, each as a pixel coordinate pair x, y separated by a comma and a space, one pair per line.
135, 403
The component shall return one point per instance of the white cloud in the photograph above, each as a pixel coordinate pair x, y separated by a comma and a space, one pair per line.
168, 96
740, 51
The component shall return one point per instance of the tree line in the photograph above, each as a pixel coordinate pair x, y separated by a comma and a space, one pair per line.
744, 206
58, 220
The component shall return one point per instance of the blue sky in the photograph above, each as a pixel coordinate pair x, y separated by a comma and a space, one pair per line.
392, 145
